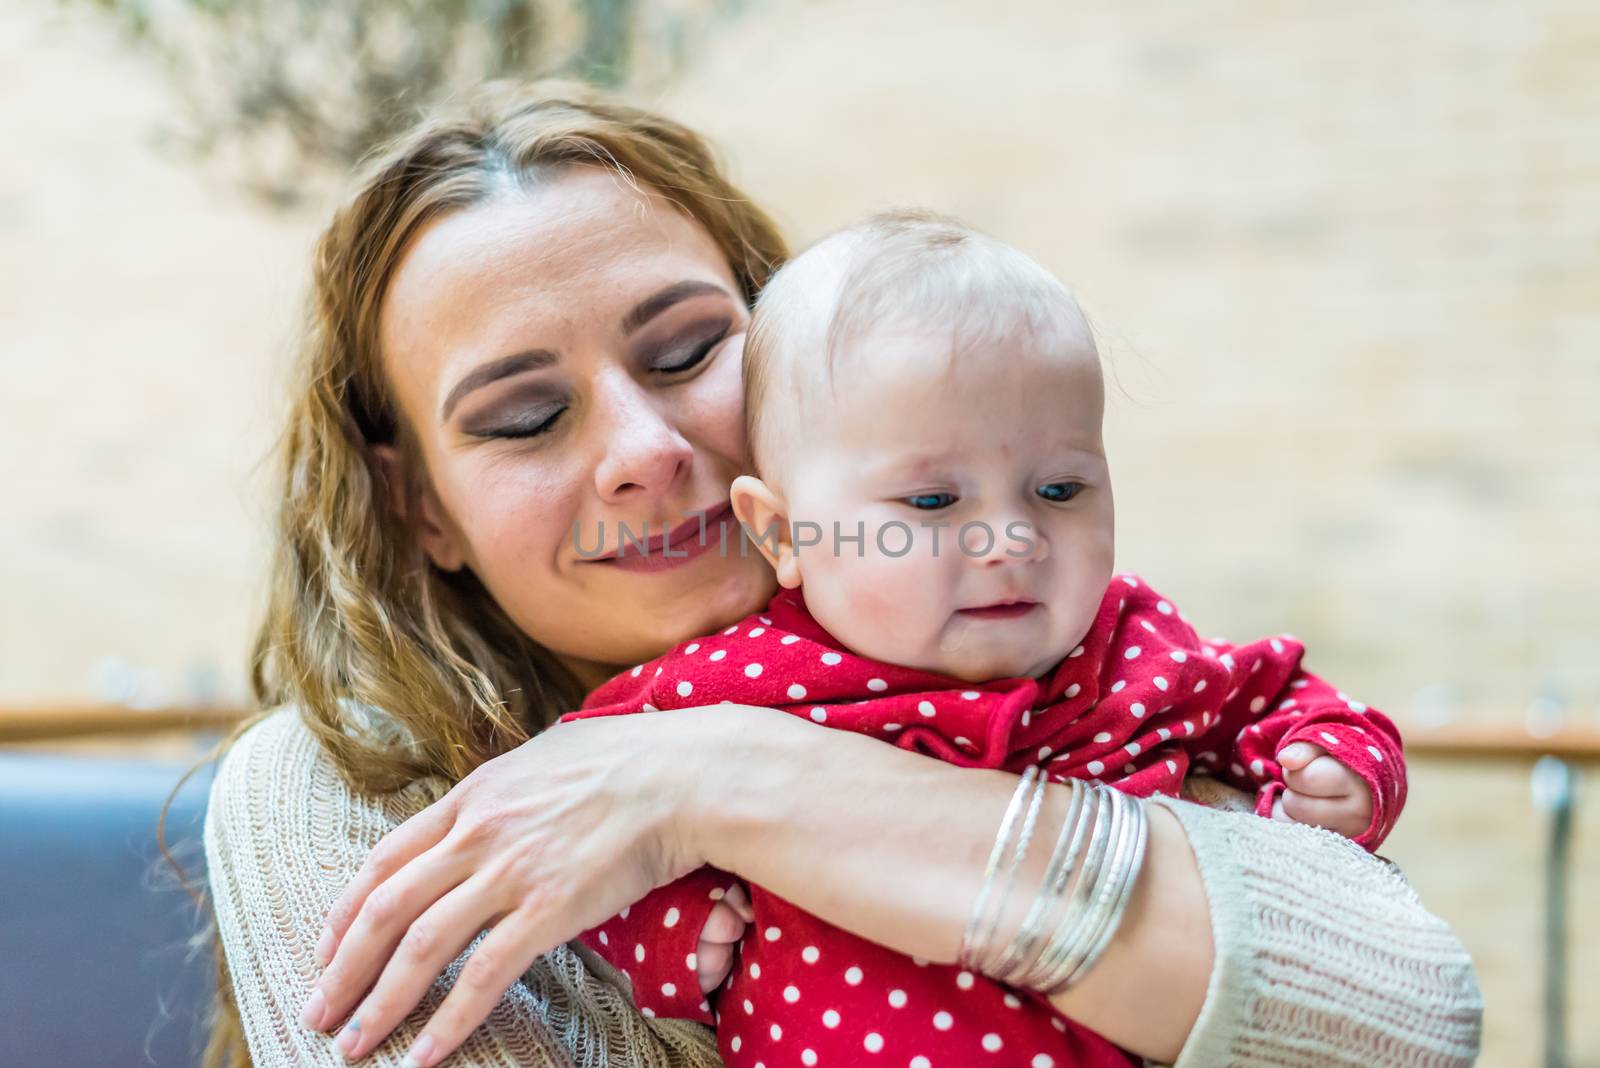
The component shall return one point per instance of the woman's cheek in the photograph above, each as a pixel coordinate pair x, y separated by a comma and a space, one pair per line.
517, 531
717, 407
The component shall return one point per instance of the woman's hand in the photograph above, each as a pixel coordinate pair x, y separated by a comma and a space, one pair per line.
541, 844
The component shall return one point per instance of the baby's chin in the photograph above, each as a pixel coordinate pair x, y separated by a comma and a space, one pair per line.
990, 665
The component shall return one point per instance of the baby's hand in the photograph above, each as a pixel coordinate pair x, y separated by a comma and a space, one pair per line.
725, 926
1321, 791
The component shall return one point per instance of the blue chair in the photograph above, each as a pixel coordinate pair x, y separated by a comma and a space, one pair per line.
95, 965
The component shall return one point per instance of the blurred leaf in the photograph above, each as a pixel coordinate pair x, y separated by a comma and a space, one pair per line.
288, 92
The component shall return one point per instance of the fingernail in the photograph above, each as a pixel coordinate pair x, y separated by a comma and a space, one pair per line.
349, 1036
419, 1055
324, 950
311, 1015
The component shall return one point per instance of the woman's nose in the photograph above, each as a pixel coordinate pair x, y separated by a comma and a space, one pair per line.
642, 454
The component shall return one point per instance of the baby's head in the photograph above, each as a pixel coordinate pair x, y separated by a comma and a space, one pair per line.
912, 380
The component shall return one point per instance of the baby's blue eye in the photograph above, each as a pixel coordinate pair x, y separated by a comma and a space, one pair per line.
1060, 491
930, 501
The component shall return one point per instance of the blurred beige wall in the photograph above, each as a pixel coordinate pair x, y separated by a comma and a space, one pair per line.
1342, 259
1345, 259
144, 315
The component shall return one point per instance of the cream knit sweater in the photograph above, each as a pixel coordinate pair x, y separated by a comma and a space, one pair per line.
1324, 955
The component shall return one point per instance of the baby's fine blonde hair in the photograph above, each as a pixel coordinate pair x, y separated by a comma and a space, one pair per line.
902, 269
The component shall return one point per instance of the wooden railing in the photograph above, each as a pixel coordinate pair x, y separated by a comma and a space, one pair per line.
80, 721
1459, 740
1501, 742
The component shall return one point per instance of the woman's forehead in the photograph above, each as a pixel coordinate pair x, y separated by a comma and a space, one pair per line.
563, 257
552, 239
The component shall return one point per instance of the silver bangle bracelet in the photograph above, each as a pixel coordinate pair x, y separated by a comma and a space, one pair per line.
1101, 842
1022, 955
1111, 897
1023, 840
969, 944
1063, 949
1108, 901
1118, 895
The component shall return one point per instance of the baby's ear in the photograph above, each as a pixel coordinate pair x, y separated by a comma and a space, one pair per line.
764, 516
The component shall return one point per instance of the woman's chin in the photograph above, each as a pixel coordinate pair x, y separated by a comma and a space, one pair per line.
743, 588
712, 603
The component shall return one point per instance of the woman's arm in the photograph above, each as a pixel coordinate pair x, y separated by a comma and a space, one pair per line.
905, 840
284, 834
1247, 942
589, 815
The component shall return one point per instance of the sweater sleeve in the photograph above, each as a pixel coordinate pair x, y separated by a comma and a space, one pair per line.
1324, 953
284, 834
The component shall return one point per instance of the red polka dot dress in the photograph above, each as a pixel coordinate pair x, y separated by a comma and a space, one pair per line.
1138, 703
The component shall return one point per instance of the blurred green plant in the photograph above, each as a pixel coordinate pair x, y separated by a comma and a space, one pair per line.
291, 92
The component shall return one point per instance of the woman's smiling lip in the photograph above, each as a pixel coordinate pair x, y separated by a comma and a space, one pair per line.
675, 547
1002, 609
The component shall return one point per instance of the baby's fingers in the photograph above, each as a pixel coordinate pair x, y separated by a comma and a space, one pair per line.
723, 924
1323, 777
1348, 816
737, 900
712, 963
1297, 755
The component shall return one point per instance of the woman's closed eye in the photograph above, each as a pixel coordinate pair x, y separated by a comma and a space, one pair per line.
687, 356
543, 418
525, 425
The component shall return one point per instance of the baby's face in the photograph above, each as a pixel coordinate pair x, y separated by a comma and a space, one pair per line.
1008, 446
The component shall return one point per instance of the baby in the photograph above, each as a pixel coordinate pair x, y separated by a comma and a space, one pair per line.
925, 408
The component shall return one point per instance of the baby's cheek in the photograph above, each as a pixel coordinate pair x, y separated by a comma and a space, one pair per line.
887, 620
869, 604
889, 626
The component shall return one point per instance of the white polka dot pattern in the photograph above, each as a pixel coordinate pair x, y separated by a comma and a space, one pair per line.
1138, 701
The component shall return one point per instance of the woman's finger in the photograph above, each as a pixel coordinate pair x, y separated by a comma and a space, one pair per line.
1323, 777
399, 847
488, 973
387, 913
436, 938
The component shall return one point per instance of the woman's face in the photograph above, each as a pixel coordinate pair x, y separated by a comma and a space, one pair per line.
569, 359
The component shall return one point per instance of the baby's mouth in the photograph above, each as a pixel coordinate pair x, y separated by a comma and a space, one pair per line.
1001, 610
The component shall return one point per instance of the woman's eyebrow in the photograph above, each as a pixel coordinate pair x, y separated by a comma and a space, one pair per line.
533, 359
493, 371
652, 306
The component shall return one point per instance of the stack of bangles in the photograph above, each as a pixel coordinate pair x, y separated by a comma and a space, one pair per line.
1062, 934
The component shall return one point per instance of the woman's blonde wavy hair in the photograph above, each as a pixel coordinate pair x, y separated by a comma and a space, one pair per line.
357, 619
